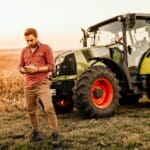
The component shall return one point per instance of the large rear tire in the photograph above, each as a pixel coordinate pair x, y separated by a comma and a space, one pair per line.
148, 95
96, 93
148, 87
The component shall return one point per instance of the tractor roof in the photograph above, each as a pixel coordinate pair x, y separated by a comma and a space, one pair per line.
116, 18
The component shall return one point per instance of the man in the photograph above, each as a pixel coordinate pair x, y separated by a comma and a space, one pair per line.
35, 62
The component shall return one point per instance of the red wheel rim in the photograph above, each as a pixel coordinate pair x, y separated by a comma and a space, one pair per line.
61, 102
104, 86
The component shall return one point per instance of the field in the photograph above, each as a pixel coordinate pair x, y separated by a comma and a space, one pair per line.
11, 81
128, 129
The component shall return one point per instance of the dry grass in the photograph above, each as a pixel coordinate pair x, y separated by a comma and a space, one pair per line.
11, 81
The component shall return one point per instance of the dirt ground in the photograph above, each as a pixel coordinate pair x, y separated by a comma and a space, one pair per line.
128, 129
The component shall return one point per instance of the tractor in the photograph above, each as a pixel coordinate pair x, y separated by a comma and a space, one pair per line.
112, 68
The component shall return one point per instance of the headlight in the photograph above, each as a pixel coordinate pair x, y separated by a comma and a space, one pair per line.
59, 60
57, 69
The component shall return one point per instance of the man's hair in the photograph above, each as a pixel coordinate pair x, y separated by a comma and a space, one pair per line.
31, 31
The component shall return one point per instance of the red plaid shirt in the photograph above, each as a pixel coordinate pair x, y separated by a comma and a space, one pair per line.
42, 56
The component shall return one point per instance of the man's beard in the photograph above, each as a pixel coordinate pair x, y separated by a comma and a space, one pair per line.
34, 46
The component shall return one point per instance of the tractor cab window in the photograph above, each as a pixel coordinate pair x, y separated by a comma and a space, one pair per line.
139, 40
105, 35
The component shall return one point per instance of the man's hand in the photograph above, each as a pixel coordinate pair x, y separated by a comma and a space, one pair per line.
23, 70
31, 69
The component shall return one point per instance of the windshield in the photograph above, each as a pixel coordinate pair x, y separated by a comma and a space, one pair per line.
106, 34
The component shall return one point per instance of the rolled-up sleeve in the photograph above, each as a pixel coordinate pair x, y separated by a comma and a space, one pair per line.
49, 58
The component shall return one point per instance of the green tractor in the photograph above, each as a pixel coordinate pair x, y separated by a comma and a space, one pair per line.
112, 68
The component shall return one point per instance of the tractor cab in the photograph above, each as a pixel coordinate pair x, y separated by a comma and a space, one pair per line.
129, 34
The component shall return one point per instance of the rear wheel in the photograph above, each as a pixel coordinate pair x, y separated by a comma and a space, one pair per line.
148, 95
96, 93
148, 87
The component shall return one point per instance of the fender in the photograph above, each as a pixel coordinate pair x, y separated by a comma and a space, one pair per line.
143, 67
119, 70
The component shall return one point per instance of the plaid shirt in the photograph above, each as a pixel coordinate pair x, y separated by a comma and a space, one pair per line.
42, 56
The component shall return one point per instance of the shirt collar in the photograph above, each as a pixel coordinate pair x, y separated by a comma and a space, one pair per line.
38, 46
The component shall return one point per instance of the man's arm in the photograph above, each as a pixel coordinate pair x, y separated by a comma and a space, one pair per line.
34, 69
43, 69
22, 64
49, 60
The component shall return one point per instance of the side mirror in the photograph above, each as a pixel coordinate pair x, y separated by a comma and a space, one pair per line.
129, 49
85, 36
130, 18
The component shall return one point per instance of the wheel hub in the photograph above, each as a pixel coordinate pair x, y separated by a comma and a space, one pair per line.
97, 93
101, 92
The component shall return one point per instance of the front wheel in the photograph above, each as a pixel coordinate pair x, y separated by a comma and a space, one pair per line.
63, 103
96, 93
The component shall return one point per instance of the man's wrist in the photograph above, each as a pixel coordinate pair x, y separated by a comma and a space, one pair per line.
38, 69
42, 69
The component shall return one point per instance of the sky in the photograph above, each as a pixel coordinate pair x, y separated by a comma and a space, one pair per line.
58, 22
